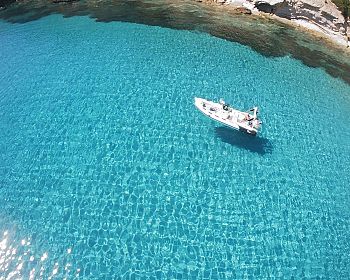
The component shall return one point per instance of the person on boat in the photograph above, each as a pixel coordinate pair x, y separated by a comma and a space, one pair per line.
249, 118
223, 104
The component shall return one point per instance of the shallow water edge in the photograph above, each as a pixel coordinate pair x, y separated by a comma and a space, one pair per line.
265, 35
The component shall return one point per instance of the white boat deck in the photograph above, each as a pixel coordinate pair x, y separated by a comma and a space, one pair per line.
228, 116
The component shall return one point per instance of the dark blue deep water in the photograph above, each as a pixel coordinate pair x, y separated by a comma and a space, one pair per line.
108, 171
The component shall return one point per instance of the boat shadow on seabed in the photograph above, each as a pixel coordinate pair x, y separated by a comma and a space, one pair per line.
236, 138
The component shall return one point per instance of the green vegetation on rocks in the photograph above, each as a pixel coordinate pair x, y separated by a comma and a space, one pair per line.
344, 6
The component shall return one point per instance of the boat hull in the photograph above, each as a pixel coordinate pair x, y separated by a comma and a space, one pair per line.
233, 119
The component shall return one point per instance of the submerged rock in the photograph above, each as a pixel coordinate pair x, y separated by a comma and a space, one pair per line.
64, 1
5, 3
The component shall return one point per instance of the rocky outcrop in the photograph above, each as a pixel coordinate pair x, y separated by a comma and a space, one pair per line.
319, 15
243, 10
5, 3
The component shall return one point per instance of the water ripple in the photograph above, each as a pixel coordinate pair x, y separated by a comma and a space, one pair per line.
19, 259
266, 36
257, 144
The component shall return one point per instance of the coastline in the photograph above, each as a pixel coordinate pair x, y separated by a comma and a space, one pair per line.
331, 24
269, 35
337, 39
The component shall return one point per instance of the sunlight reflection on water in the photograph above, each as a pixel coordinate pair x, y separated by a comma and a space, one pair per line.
19, 260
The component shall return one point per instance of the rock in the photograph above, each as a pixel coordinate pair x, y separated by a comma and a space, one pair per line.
5, 3
243, 10
265, 7
321, 14
213, 1
64, 1
269, 2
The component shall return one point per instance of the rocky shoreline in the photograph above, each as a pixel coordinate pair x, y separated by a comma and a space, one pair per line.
319, 17
269, 35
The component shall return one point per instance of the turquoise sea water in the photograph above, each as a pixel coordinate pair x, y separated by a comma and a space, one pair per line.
108, 171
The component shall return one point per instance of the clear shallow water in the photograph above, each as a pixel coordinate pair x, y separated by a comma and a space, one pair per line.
109, 171
266, 36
